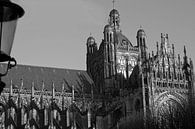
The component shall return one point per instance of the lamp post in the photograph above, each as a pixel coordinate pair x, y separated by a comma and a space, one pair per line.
9, 14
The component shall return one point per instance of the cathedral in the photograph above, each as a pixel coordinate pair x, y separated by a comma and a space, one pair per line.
124, 86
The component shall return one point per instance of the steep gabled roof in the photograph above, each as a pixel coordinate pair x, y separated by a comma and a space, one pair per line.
27, 74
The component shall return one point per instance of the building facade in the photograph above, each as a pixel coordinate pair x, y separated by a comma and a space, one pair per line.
159, 85
123, 85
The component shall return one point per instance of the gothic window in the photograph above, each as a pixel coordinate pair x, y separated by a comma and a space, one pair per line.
131, 64
24, 116
140, 41
107, 37
110, 37
108, 54
56, 115
122, 61
144, 42
13, 113
122, 66
46, 116
117, 21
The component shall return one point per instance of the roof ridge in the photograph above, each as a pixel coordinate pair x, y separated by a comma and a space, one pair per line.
47, 67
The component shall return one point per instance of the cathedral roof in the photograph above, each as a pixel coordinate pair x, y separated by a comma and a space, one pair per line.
121, 39
38, 75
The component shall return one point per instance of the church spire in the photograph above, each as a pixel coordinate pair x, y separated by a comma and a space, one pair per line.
185, 57
113, 2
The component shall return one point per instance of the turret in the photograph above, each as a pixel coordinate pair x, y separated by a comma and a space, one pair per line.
165, 46
91, 45
186, 66
108, 34
91, 49
109, 52
114, 20
141, 43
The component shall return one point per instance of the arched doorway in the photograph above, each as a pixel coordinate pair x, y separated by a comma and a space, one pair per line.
170, 111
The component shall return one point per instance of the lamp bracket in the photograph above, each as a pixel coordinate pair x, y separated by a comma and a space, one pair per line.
9, 66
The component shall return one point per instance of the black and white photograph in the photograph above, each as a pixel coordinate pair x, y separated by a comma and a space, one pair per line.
97, 64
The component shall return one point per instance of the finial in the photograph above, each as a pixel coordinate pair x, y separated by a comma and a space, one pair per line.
11, 88
167, 36
173, 47
53, 90
184, 50
149, 55
62, 94
22, 84
178, 57
32, 89
63, 86
43, 85
191, 64
73, 93
140, 27
157, 47
90, 34
113, 2
179, 61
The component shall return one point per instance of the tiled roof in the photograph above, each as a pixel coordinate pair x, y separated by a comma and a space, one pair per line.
28, 74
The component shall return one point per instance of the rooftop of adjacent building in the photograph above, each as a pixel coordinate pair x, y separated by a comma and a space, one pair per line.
26, 75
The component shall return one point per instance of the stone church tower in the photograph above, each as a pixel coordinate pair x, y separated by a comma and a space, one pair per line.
151, 85
111, 65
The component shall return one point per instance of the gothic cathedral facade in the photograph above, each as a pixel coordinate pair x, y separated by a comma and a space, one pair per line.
152, 85
124, 86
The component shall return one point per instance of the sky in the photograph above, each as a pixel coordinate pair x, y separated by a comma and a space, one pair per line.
53, 33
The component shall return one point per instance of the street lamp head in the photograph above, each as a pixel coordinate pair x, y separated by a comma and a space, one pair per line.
9, 14
11, 11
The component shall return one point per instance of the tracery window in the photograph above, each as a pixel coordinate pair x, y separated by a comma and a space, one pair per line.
122, 66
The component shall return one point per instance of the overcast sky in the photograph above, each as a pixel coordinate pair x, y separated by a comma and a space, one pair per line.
53, 33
